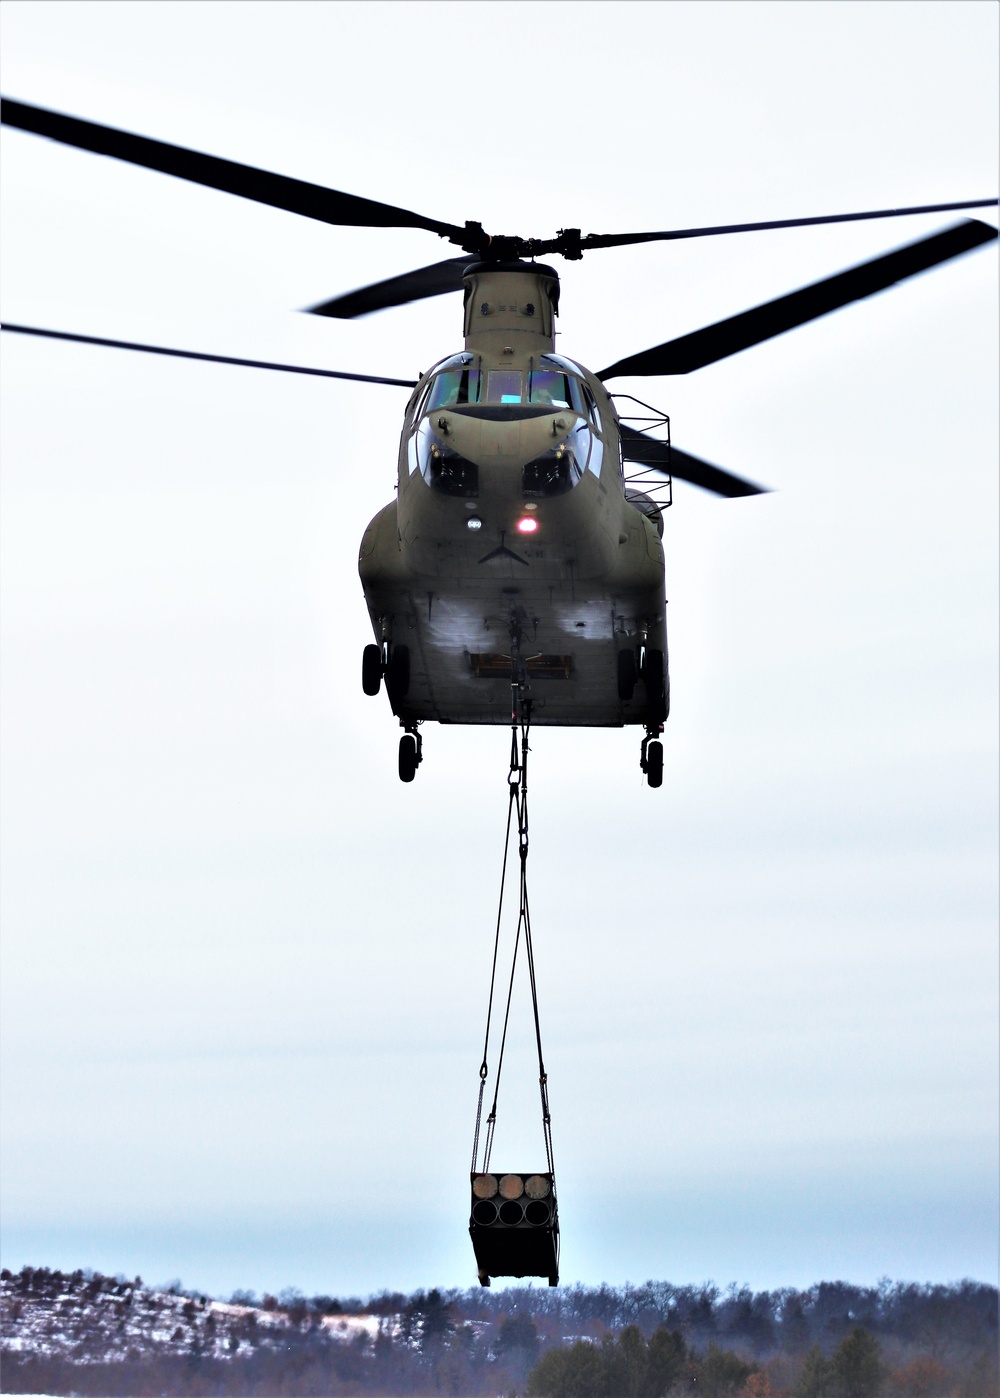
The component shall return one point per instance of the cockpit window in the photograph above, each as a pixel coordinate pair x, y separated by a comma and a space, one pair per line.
556, 388
454, 387
505, 386
592, 412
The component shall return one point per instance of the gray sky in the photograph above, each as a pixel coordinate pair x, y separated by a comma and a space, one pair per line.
245, 969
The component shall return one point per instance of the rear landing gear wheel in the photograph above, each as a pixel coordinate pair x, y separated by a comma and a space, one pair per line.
626, 674
371, 670
483, 1279
397, 674
656, 692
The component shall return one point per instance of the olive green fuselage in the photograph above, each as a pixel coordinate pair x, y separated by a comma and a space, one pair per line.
511, 521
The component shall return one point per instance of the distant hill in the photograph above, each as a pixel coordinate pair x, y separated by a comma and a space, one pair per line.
89, 1334
88, 1318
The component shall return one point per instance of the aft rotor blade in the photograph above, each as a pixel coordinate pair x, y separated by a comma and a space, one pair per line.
670, 460
616, 240
211, 358
434, 280
740, 332
281, 192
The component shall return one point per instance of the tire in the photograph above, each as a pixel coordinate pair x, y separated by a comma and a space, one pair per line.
656, 695
626, 674
407, 757
654, 763
397, 674
371, 670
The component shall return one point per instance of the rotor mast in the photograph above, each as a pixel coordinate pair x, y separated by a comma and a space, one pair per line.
510, 310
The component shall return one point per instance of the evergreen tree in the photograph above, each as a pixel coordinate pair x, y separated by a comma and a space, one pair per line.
517, 1343
632, 1362
794, 1325
721, 1374
578, 1371
438, 1323
816, 1376
857, 1366
665, 1359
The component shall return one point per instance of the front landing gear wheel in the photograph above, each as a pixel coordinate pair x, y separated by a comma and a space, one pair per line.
407, 757
483, 1279
371, 670
411, 754
651, 757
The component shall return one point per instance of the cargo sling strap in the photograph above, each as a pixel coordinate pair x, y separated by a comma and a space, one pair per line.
517, 780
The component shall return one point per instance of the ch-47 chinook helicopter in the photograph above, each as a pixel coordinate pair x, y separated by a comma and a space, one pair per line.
523, 552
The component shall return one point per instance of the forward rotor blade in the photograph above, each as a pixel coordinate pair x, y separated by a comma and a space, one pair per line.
434, 280
211, 358
281, 192
657, 456
616, 240
740, 332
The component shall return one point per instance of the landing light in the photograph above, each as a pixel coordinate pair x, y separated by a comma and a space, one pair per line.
527, 526
473, 523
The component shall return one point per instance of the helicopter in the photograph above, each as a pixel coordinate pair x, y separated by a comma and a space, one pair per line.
519, 572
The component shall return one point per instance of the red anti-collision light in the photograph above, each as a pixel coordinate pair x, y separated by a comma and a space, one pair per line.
527, 525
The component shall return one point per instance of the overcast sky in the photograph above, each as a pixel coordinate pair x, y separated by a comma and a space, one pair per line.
245, 969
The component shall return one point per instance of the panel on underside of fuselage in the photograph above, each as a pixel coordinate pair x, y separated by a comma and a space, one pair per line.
459, 640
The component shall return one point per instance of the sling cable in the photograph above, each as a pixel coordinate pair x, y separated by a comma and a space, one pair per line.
515, 1222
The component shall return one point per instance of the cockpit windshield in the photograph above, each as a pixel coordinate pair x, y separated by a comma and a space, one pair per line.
553, 384
550, 385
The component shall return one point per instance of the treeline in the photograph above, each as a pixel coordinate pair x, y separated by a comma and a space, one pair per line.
91, 1335
629, 1366
940, 1319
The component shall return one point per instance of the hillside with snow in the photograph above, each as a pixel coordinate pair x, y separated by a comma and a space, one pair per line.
109, 1337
